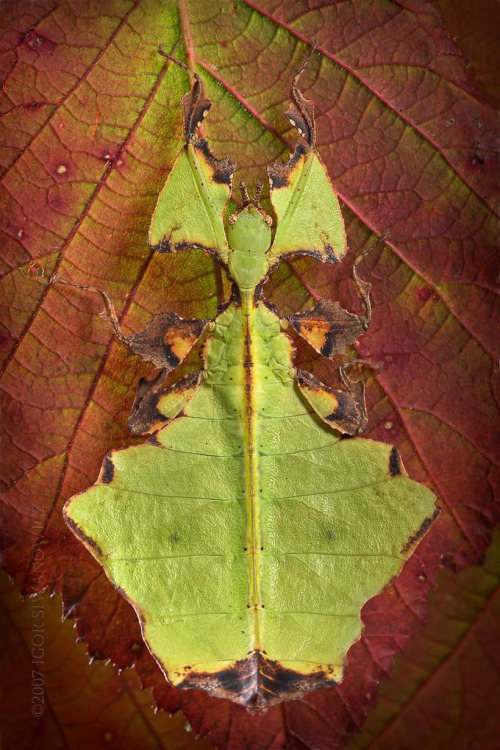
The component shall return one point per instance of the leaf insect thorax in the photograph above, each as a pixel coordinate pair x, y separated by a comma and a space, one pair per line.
249, 237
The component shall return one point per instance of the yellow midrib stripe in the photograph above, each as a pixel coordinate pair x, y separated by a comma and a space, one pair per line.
252, 475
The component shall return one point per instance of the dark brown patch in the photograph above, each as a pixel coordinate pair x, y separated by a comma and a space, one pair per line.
163, 342
235, 295
222, 169
167, 246
329, 348
270, 305
279, 172
77, 531
169, 357
144, 416
412, 541
107, 470
394, 463
346, 417
257, 682
350, 414
258, 294
328, 328
195, 106
305, 378
329, 256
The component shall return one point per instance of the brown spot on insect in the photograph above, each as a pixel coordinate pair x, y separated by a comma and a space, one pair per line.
222, 169
166, 246
412, 541
394, 463
87, 541
330, 329
279, 172
167, 340
107, 470
343, 410
258, 682
145, 416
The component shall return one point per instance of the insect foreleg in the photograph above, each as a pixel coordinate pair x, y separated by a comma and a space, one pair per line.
166, 341
362, 286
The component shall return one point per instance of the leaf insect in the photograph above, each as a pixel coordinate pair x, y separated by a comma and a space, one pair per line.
246, 533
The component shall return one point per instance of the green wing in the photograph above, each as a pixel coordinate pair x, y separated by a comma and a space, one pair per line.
307, 208
305, 203
179, 222
191, 205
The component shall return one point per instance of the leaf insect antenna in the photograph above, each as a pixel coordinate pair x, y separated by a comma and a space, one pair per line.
247, 201
244, 194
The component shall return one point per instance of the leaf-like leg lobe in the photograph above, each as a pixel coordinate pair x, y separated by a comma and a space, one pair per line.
167, 340
157, 404
343, 410
328, 328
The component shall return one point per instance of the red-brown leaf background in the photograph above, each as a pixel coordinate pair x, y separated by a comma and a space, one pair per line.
92, 123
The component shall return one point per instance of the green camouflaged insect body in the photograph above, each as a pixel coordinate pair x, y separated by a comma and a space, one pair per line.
245, 532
